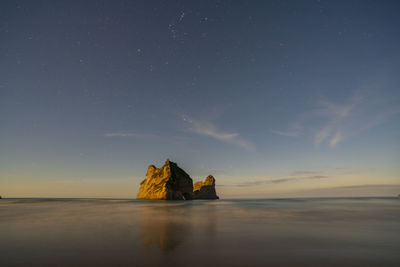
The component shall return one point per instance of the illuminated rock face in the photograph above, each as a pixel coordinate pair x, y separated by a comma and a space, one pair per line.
166, 183
206, 189
172, 183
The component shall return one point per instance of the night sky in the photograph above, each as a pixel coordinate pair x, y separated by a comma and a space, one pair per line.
274, 98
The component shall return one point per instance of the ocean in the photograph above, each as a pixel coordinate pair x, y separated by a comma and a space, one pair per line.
227, 232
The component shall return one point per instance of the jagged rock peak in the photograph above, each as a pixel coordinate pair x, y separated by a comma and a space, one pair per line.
210, 180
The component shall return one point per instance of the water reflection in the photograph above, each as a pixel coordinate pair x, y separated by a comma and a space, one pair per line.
165, 227
210, 222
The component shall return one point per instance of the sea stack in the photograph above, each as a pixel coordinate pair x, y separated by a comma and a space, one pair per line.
166, 183
206, 189
172, 183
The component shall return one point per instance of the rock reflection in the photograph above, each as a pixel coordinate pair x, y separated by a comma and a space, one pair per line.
165, 226
210, 221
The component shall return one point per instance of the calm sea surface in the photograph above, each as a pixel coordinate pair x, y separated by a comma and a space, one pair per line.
281, 232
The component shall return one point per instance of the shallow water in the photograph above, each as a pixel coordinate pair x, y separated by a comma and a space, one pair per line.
273, 232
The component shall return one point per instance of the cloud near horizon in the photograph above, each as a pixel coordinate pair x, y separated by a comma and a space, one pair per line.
304, 173
354, 190
271, 180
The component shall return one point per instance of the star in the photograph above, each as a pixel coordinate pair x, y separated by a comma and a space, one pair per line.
182, 16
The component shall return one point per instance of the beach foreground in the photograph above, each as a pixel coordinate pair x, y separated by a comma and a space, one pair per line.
280, 232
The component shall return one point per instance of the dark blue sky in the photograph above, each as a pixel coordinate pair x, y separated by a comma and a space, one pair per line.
272, 97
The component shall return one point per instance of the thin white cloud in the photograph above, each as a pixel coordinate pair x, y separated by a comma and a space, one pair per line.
285, 133
269, 180
336, 116
336, 138
207, 128
118, 135
365, 109
331, 123
129, 134
353, 190
304, 173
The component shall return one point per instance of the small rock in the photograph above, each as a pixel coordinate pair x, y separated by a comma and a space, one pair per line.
206, 189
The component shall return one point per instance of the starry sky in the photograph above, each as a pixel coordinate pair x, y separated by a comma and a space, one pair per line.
274, 98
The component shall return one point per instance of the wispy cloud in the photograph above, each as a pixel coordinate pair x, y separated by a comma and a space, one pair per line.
130, 134
304, 172
336, 117
353, 190
332, 122
336, 138
367, 186
209, 129
283, 133
270, 180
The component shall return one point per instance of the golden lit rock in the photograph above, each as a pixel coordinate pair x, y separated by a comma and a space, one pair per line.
166, 183
172, 183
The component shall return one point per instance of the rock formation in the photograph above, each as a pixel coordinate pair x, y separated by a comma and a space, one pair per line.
166, 183
206, 189
172, 183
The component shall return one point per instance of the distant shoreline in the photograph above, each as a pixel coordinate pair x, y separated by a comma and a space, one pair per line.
224, 199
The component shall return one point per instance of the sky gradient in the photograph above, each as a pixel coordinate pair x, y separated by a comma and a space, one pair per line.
274, 98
